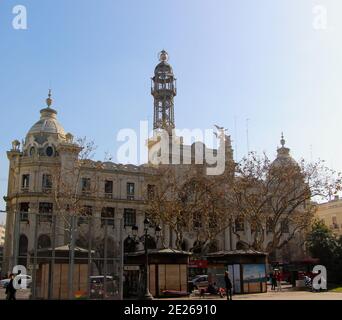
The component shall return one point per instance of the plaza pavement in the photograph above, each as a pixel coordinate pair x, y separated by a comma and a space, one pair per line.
283, 295
286, 294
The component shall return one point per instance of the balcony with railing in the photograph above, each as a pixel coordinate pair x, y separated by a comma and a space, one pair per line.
167, 87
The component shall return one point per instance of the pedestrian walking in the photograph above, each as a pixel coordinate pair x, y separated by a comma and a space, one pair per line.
10, 290
273, 281
228, 285
278, 278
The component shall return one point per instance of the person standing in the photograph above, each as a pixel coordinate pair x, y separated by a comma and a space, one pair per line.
10, 290
228, 285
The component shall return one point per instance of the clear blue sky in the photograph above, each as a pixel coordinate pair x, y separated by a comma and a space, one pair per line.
261, 60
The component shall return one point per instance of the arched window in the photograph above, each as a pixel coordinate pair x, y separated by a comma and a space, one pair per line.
239, 224
151, 243
49, 151
184, 245
44, 241
242, 245
32, 151
213, 246
111, 248
286, 253
129, 245
23, 247
81, 243
272, 257
198, 246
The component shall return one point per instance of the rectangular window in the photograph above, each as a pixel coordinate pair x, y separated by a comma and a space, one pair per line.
197, 220
25, 182
269, 225
45, 211
151, 189
130, 191
212, 222
85, 213
108, 189
129, 217
85, 185
239, 224
24, 208
107, 216
284, 226
254, 226
47, 182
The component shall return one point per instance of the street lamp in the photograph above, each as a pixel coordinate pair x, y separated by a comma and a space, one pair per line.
147, 225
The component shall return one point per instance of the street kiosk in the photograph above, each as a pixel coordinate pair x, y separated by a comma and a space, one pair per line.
247, 270
168, 273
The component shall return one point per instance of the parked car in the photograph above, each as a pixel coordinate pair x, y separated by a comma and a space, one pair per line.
97, 288
198, 282
4, 283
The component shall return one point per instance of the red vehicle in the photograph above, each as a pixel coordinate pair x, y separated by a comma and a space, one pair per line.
298, 269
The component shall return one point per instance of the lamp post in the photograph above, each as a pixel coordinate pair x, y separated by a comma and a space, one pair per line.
147, 225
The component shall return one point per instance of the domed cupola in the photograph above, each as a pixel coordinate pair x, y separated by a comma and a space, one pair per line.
44, 136
283, 155
163, 69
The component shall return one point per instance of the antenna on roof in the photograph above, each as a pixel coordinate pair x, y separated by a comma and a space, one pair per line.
235, 133
247, 134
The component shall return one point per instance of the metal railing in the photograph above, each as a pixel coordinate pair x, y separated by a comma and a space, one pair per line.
67, 259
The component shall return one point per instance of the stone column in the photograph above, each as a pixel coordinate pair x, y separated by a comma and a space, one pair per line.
119, 241
118, 217
227, 244
33, 218
97, 218
166, 235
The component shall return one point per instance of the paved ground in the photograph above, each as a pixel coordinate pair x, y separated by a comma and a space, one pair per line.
285, 294
21, 294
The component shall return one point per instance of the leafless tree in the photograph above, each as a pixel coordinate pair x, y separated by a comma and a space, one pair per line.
187, 200
276, 199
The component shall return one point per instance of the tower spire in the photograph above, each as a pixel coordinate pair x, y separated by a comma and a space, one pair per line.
282, 141
49, 100
163, 91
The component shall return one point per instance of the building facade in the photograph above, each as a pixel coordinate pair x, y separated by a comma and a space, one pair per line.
2, 235
2, 242
331, 213
113, 194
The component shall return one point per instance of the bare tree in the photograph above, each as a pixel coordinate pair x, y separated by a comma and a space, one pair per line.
67, 188
187, 200
75, 182
276, 199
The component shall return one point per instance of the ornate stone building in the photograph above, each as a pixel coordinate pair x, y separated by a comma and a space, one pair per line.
107, 191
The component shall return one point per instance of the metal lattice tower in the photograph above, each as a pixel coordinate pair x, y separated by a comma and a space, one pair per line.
163, 90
